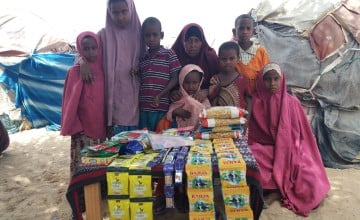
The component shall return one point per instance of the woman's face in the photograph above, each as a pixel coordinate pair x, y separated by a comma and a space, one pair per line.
192, 46
272, 81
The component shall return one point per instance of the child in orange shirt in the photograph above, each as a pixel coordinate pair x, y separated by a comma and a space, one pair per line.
252, 56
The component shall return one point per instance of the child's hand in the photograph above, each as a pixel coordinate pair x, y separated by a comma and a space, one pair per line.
214, 87
215, 81
182, 113
175, 95
156, 101
201, 95
134, 71
85, 71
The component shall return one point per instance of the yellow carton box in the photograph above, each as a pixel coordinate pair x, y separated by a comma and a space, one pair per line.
141, 210
201, 204
236, 201
222, 140
117, 175
232, 178
119, 209
140, 177
98, 160
231, 162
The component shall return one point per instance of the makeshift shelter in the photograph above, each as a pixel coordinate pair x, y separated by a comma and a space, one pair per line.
33, 64
317, 44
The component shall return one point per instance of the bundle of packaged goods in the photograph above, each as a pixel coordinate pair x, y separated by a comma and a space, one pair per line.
184, 131
222, 122
126, 136
130, 187
117, 176
106, 152
100, 154
173, 165
232, 169
199, 181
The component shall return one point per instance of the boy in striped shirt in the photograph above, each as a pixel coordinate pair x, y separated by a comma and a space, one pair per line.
159, 70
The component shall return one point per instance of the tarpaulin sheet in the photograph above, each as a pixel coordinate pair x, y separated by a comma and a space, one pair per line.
38, 83
301, 15
332, 82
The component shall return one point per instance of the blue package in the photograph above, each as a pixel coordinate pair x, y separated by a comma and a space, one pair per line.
134, 147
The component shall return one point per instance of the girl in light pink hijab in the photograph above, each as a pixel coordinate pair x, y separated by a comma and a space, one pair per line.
186, 110
123, 47
284, 145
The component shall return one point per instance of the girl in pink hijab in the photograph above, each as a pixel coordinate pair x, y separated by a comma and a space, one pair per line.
186, 110
83, 109
281, 139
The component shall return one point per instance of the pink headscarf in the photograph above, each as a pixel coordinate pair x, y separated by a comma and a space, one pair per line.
285, 148
187, 102
122, 50
83, 103
207, 59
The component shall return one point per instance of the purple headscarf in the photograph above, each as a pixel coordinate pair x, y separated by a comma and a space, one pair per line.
122, 50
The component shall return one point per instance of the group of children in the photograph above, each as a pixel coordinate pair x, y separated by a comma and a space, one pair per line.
124, 79
157, 75
116, 83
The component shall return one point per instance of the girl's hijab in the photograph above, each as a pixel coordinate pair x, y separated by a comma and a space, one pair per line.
122, 51
268, 107
207, 58
184, 72
187, 102
83, 103
278, 120
97, 65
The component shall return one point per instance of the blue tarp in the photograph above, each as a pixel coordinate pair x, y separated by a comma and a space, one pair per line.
38, 83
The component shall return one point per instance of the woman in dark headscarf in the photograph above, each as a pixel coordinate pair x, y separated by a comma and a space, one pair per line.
191, 47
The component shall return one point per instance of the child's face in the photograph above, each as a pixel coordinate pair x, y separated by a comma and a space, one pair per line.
244, 30
272, 81
89, 48
191, 82
119, 13
152, 35
192, 46
227, 60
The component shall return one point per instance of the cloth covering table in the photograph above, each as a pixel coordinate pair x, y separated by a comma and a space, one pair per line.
86, 175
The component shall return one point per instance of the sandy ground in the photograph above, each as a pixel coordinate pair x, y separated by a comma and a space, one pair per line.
35, 172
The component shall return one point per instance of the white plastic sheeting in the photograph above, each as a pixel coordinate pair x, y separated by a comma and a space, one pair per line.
329, 86
23, 33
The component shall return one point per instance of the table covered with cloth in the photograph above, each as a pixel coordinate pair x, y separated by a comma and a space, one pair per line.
86, 174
